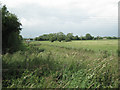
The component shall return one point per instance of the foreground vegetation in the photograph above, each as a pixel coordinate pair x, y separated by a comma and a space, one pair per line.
42, 64
76, 64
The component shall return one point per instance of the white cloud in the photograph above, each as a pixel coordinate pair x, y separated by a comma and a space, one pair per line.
54, 15
92, 7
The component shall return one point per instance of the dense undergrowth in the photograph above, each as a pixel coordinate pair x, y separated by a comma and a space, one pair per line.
49, 66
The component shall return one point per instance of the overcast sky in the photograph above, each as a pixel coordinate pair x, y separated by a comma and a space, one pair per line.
97, 17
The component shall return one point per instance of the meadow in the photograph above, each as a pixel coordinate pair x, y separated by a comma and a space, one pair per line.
75, 64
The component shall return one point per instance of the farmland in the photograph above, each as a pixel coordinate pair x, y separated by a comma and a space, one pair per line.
75, 64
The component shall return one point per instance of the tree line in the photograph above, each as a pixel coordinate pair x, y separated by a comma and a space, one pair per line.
60, 36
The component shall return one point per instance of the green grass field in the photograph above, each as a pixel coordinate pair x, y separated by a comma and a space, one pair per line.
96, 45
76, 64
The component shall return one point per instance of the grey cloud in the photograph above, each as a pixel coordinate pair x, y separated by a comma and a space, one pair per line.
75, 20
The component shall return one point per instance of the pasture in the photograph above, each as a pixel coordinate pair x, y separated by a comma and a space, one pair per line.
96, 45
75, 64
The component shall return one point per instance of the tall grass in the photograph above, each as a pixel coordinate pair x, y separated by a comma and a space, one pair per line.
53, 66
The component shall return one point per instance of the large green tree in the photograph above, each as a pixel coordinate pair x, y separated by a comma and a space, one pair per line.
70, 36
52, 37
11, 27
60, 36
88, 37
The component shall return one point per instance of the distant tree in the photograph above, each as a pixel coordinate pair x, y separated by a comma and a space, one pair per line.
11, 39
40, 38
60, 36
88, 37
45, 37
59, 39
76, 37
36, 38
109, 38
83, 38
114, 37
52, 37
80, 38
70, 36
95, 38
98, 37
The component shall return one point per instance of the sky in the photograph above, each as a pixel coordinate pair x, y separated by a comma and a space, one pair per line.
38, 17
